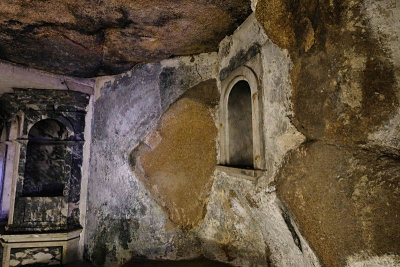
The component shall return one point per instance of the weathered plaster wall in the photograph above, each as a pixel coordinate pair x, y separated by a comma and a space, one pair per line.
85, 169
126, 218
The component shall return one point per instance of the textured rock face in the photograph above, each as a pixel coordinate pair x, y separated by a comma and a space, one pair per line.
346, 199
176, 161
246, 225
343, 184
343, 77
106, 37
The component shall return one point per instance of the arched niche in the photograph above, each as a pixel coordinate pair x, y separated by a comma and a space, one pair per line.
44, 174
241, 121
240, 126
69, 133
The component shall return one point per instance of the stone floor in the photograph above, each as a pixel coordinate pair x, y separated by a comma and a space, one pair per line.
145, 263
79, 264
192, 263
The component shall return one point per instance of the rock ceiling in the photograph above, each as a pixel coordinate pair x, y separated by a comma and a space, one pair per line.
99, 37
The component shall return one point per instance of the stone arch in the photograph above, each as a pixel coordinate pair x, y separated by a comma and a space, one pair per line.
48, 130
62, 121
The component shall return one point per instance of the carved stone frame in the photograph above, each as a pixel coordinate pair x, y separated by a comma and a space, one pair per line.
242, 73
21, 141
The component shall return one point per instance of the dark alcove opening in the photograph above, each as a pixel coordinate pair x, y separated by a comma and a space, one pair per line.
240, 126
45, 160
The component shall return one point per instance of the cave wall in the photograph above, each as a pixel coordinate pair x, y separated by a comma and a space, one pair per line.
342, 184
329, 195
93, 38
147, 155
245, 223
159, 196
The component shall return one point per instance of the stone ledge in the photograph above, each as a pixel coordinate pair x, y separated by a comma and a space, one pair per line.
42, 237
247, 174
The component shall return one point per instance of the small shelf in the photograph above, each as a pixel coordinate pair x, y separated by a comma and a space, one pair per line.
40, 237
248, 174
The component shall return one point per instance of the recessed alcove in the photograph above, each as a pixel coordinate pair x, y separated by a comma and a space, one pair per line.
241, 143
240, 126
45, 160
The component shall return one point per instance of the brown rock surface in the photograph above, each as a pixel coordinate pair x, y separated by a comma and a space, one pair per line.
346, 200
89, 38
343, 79
177, 159
342, 187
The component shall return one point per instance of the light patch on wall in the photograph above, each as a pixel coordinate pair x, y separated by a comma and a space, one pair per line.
176, 161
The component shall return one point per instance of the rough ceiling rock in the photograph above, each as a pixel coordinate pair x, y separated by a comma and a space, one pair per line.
96, 37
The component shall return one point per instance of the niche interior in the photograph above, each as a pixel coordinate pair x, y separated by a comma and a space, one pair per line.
241, 124
45, 173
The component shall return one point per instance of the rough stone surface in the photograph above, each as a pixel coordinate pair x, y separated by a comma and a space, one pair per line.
124, 221
353, 204
365, 260
176, 160
245, 226
344, 77
107, 37
328, 75
343, 184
